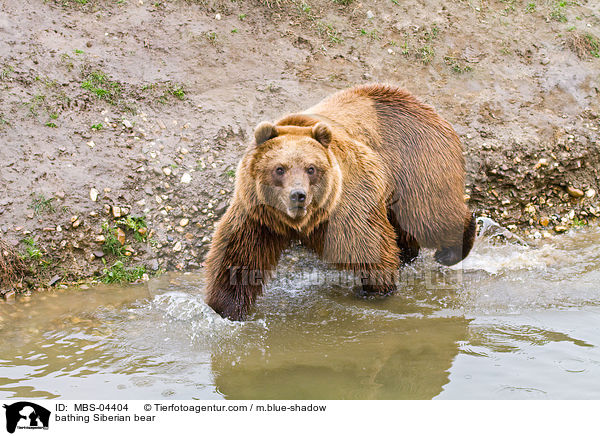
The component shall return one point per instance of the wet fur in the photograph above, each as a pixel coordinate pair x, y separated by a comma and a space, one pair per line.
396, 183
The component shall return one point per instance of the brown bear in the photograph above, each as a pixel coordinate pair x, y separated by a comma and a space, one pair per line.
364, 178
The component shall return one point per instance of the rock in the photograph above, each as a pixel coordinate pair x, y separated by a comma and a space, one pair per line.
91, 144
590, 193
544, 221
186, 178
94, 194
560, 229
121, 236
127, 124
167, 171
84, 287
116, 212
98, 253
221, 208
100, 239
8, 295
184, 222
142, 231
177, 247
574, 192
370, 15
184, 151
154, 264
60, 195
76, 224
53, 280
218, 17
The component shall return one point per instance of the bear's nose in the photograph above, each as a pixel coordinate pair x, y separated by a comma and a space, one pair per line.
298, 196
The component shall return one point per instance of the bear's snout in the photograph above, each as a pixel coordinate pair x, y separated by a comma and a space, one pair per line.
298, 197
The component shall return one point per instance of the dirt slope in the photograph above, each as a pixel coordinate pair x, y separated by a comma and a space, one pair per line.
150, 103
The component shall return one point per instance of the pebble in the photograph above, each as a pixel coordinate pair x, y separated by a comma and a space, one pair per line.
544, 221
116, 211
590, 193
166, 171
218, 17
184, 222
100, 239
370, 15
121, 236
53, 280
76, 224
186, 178
98, 253
177, 246
574, 192
154, 264
560, 229
127, 124
91, 144
94, 194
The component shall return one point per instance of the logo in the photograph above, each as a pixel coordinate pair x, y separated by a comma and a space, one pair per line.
26, 415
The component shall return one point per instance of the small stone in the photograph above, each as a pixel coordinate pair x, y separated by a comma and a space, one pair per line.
142, 231
186, 178
590, 193
127, 124
91, 144
218, 17
560, 229
574, 192
100, 239
154, 264
544, 221
184, 151
60, 195
177, 246
184, 222
53, 280
98, 254
145, 277
8, 295
116, 211
94, 194
167, 171
370, 15
84, 287
121, 236
76, 224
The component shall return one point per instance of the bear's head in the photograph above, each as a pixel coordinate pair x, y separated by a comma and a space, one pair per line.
294, 170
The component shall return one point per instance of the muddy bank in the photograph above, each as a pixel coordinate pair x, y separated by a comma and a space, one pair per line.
121, 123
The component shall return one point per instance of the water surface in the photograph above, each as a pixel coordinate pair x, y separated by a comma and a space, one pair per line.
511, 322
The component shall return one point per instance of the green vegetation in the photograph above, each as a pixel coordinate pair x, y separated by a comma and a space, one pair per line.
530, 8
41, 204
558, 12
111, 242
51, 124
119, 273
137, 224
6, 73
585, 45
32, 252
177, 91
98, 84
371, 34
426, 54
230, 173
457, 65
343, 2
97, 126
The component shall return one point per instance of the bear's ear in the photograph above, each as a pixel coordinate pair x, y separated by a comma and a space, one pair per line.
263, 132
322, 133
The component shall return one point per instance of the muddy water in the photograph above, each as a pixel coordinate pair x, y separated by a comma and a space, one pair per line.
512, 322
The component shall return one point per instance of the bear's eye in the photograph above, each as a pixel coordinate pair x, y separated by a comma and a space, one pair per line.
310, 170
279, 171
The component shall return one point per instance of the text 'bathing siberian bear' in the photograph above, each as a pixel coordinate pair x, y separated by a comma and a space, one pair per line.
364, 178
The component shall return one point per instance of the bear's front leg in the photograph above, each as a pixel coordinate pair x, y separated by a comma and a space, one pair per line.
242, 254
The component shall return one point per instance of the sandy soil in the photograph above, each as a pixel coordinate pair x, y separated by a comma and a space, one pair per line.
151, 103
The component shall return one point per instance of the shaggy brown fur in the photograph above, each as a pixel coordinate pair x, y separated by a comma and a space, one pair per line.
383, 175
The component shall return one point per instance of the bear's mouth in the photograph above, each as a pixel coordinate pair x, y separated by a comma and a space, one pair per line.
296, 211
